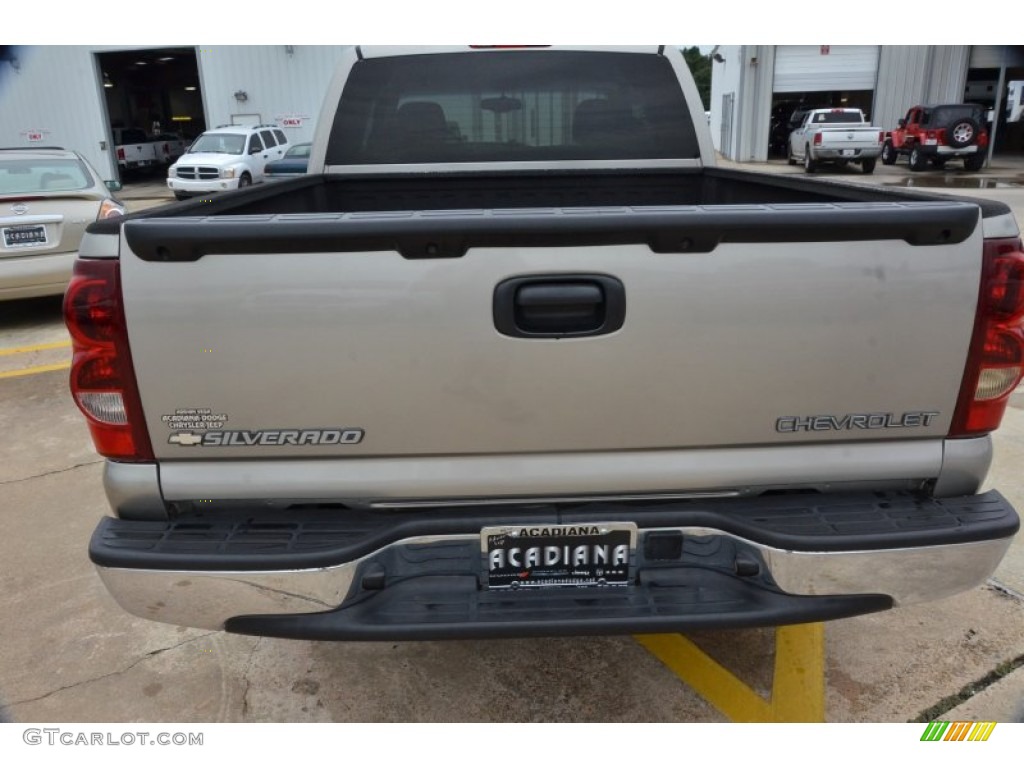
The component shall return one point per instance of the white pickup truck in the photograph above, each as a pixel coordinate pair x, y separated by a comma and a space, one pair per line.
837, 136
516, 359
134, 149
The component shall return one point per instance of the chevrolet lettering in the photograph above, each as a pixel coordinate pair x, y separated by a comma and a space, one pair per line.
855, 421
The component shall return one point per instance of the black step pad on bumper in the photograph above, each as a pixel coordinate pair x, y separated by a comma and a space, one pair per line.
449, 607
304, 538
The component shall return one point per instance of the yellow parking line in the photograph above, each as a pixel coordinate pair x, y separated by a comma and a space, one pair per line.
798, 682
713, 682
34, 348
35, 369
798, 688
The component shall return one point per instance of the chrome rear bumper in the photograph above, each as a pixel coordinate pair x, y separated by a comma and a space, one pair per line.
209, 599
759, 558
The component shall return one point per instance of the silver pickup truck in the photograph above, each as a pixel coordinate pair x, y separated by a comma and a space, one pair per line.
517, 359
837, 136
134, 149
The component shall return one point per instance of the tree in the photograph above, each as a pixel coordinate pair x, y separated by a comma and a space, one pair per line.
700, 68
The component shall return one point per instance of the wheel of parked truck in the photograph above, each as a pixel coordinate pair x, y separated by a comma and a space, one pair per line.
918, 160
789, 155
962, 132
244, 180
889, 154
974, 162
868, 166
809, 165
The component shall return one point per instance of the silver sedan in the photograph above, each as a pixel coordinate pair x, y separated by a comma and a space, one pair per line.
48, 196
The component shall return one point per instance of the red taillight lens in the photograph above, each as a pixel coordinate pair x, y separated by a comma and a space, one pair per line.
120, 153
90, 311
1006, 287
102, 378
995, 361
881, 136
817, 139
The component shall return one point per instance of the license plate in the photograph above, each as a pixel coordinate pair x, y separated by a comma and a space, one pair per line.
578, 555
848, 152
19, 237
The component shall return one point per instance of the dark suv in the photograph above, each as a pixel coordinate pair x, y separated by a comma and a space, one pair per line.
937, 133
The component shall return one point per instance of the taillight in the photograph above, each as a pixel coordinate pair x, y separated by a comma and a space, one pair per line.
881, 136
109, 209
102, 378
817, 139
120, 153
995, 361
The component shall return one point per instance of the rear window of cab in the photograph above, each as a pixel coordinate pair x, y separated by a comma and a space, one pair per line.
511, 106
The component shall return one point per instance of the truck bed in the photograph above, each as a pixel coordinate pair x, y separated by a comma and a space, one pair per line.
453, 191
444, 215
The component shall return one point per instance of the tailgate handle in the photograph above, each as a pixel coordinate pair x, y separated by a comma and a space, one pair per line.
555, 306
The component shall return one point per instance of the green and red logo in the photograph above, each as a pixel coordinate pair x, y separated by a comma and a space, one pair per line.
958, 731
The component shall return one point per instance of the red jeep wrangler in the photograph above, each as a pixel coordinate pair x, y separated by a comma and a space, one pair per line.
934, 134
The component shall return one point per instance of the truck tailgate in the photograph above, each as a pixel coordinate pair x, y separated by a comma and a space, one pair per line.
345, 335
849, 138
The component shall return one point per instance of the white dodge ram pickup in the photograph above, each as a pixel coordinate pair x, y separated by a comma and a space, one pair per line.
517, 359
837, 136
134, 149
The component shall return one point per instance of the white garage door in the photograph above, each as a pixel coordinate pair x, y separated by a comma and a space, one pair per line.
995, 56
825, 68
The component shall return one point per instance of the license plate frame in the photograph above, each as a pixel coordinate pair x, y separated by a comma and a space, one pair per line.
557, 556
11, 237
848, 152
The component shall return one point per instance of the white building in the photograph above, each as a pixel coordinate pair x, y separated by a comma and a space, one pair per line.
71, 96
750, 82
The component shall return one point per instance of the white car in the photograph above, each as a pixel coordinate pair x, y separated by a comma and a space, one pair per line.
227, 157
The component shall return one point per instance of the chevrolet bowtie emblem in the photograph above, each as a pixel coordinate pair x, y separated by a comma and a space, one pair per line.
185, 438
